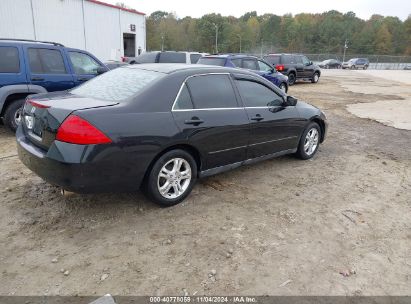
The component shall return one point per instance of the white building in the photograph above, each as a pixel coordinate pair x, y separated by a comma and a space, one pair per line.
105, 30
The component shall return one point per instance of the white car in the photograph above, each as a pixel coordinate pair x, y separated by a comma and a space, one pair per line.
165, 57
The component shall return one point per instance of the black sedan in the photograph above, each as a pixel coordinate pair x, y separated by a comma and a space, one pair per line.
161, 127
330, 64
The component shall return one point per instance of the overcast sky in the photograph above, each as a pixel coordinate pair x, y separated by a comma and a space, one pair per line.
363, 8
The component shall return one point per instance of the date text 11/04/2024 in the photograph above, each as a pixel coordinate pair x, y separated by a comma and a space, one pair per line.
203, 299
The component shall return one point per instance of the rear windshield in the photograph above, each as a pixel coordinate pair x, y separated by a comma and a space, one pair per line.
272, 59
212, 61
147, 57
118, 84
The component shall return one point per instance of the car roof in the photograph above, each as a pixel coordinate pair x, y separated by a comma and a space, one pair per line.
168, 68
233, 56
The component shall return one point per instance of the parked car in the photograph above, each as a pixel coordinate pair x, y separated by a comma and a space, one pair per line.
407, 66
251, 63
165, 57
356, 63
30, 67
113, 64
147, 125
295, 66
330, 64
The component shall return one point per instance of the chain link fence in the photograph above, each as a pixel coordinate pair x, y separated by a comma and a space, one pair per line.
377, 62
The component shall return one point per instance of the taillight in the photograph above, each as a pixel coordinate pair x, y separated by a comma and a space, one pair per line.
279, 67
123, 59
36, 104
76, 130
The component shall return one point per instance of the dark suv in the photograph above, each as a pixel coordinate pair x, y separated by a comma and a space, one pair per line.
30, 67
295, 66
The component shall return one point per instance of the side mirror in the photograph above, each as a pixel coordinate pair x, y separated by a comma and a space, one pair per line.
273, 71
101, 70
291, 101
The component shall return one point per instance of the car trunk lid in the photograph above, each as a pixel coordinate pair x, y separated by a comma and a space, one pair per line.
44, 113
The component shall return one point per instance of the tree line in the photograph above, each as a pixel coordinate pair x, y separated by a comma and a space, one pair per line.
304, 33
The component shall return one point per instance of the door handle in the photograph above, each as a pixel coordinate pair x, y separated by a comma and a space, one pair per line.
257, 117
194, 121
83, 79
37, 79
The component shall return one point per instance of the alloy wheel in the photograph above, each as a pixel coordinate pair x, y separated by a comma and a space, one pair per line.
17, 117
311, 141
174, 178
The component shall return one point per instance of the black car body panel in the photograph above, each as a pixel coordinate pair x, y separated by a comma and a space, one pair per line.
143, 126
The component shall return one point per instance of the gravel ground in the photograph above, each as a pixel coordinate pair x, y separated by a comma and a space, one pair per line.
338, 224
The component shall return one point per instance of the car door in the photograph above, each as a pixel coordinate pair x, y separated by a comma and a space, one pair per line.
83, 66
299, 66
274, 126
308, 67
207, 112
47, 67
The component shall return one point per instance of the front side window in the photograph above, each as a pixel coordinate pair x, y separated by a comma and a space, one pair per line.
83, 64
264, 67
212, 91
255, 94
118, 84
305, 60
172, 57
46, 61
250, 64
9, 60
183, 101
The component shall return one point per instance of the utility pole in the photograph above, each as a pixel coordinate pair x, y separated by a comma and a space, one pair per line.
216, 38
239, 36
261, 48
345, 48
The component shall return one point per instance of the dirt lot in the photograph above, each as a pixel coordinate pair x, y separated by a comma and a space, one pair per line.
280, 227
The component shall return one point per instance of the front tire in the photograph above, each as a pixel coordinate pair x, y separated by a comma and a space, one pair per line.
13, 114
315, 78
171, 178
309, 142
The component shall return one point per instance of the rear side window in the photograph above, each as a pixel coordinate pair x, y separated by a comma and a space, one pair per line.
83, 64
194, 57
9, 60
172, 57
147, 58
273, 59
118, 84
212, 61
288, 59
250, 64
46, 61
183, 100
255, 94
236, 62
212, 91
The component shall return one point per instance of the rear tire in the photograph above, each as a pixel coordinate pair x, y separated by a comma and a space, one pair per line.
309, 142
171, 178
291, 79
13, 115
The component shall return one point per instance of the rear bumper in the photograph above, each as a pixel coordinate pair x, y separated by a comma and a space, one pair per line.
79, 168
